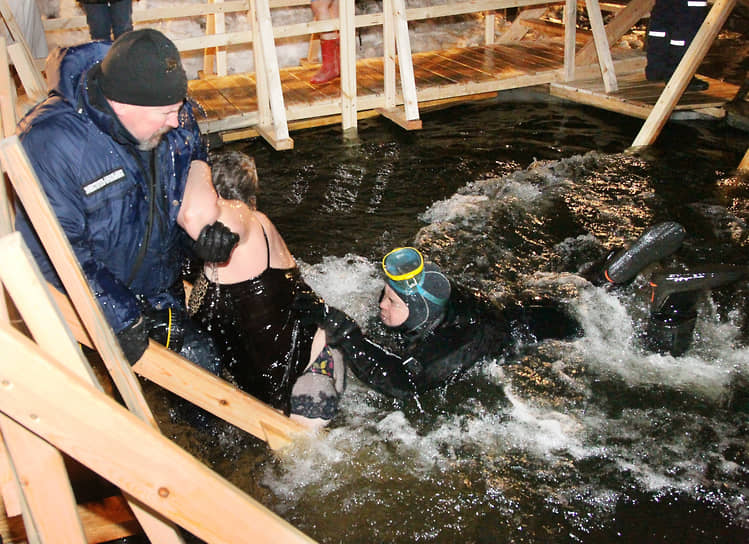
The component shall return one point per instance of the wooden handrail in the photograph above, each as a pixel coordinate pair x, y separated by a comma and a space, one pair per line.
291, 30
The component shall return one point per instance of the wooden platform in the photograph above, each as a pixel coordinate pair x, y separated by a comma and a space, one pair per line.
636, 96
230, 102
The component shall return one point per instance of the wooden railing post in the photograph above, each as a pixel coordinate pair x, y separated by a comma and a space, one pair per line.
570, 38
395, 18
602, 46
272, 124
347, 34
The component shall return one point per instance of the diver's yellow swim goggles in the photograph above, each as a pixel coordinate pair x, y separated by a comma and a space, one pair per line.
404, 267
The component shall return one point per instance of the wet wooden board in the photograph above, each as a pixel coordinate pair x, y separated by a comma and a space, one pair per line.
369, 78
239, 90
231, 101
636, 96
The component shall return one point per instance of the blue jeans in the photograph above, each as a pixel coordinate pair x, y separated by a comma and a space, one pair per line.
108, 18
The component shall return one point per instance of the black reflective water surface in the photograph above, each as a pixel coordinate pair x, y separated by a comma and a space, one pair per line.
594, 440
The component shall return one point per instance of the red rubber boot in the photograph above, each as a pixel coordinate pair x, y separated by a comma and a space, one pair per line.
331, 61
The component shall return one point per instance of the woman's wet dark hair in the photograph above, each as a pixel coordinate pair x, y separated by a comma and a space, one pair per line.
234, 176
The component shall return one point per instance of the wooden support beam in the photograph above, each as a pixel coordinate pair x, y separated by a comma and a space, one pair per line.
602, 46
271, 110
111, 441
20, 53
178, 375
214, 58
27, 287
8, 95
27, 187
570, 38
347, 36
744, 164
517, 29
684, 72
405, 62
617, 27
490, 21
46, 489
103, 521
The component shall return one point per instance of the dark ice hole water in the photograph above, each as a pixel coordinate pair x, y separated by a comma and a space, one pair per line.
593, 440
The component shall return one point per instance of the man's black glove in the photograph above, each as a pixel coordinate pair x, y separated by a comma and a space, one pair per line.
215, 243
133, 340
167, 327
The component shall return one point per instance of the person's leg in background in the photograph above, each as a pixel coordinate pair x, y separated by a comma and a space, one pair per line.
329, 42
99, 21
121, 14
688, 19
659, 30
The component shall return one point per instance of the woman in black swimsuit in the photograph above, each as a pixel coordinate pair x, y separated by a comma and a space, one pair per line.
245, 304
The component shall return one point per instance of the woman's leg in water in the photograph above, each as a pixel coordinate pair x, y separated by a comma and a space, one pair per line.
315, 395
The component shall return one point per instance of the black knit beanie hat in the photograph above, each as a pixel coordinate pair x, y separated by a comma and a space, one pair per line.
143, 68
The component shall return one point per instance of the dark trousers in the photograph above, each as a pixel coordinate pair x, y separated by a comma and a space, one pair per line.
673, 24
108, 20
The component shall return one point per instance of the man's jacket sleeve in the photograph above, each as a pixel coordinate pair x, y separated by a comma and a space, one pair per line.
56, 169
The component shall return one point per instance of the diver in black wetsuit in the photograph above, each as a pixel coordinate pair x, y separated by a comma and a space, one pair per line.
446, 328
674, 294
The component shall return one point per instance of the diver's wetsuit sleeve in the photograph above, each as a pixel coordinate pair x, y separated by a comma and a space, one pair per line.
379, 368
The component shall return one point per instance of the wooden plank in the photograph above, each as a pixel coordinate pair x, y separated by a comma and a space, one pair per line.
24, 282
27, 187
98, 432
41, 472
599, 100
174, 373
489, 27
603, 50
31, 78
744, 164
570, 38
103, 521
617, 27
388, 53
684, 72
8, 95
347, 37
269, 72
405, 64
237, 89
517, 29
215, 105
398, 116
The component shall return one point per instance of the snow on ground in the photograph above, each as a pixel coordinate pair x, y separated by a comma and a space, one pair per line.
425, 35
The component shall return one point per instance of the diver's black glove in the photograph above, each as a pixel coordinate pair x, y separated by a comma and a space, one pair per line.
133, 340
339, 327
309, 307
215, 243
167, 327
312, 310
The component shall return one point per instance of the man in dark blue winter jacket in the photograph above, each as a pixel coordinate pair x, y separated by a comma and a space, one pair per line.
115, 145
